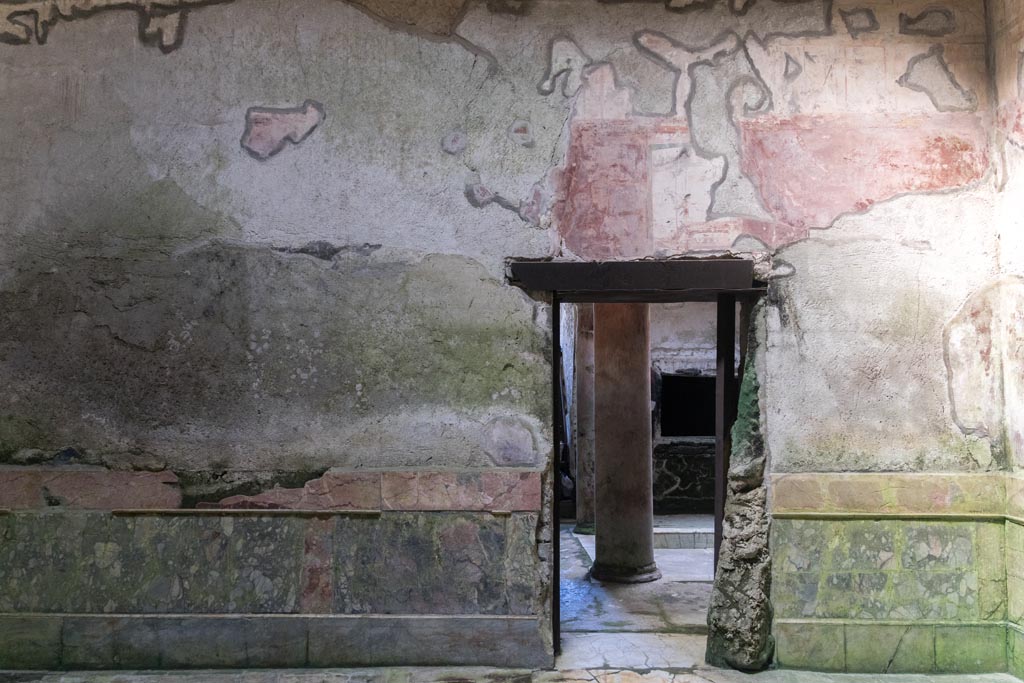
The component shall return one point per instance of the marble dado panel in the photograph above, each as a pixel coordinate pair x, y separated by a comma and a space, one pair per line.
898, 572
889, 570
263, 563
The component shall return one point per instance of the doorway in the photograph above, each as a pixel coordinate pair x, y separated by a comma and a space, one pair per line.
661, 623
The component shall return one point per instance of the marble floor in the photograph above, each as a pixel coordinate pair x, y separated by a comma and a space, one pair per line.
655, 625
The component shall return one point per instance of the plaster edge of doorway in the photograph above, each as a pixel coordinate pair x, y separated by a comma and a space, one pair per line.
740, 614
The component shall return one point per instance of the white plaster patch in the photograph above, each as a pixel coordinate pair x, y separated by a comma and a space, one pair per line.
984, 347
681, 182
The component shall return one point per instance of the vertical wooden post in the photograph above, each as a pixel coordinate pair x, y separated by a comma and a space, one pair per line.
556, 472
725, 406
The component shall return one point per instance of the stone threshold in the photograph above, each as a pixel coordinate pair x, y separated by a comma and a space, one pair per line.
674, 539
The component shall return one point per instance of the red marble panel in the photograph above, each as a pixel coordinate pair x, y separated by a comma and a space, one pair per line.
810, 170
498, 491
24, 488
317, 596
332, 491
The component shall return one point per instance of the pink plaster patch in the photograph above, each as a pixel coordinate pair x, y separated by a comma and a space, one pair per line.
23, 488
267, 130
531, 208
332, 491
1011, 121
810, 170
501, 491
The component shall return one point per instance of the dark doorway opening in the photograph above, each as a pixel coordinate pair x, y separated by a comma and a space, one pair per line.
685, 405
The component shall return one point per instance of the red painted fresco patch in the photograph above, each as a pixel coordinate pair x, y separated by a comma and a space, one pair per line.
488, 490
722, 233
1011, 121
603, 206
810, 170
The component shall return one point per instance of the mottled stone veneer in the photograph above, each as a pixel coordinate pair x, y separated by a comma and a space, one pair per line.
394, 562
228, 589
898, 572
684, 476
890, 570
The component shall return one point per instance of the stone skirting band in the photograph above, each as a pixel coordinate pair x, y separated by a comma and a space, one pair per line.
892, 646
214, 641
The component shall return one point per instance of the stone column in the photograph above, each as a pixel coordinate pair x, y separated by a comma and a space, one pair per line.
584, 393
622, 426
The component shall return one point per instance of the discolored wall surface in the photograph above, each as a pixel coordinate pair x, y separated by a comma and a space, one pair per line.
1001, 303
253, 278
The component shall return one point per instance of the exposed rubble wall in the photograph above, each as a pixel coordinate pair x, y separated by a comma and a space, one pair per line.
252, 301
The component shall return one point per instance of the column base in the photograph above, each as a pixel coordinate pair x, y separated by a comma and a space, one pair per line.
613, 574
585, 529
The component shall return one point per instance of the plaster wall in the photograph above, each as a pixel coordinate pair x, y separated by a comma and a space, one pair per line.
1008, 57
683, 338
254, 262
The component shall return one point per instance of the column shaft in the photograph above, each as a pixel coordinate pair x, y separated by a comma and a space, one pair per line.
622, 426
584, 419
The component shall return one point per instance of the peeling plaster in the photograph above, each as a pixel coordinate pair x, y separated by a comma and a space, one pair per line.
268, 130
566, 62
929, 73
161, 22
933, 22
984, 353
859, 20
